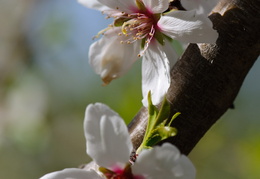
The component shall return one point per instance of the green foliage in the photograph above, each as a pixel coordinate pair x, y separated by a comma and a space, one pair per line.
158, 127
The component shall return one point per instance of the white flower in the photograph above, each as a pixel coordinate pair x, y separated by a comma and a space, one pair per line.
109, 145
141, 28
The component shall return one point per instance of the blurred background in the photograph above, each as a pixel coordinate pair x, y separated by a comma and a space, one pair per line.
46, 84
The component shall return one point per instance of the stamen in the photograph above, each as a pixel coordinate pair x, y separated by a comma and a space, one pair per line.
102, 32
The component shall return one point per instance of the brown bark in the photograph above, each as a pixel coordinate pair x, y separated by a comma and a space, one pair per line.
207, 78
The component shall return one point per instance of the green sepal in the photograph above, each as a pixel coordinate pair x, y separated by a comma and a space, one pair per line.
120, 21
165, 13
158, 127
153, 113
159, 37
105, 171
167, 37
173, 117
143, 43
157, 16
161, 133
140, 5
164, 112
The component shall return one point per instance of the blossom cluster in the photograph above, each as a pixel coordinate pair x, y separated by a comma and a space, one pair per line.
141, 28
109, 145
145, 28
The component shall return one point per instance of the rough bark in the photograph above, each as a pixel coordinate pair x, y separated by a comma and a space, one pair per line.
207, 78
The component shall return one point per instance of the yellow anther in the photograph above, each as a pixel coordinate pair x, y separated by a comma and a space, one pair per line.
124, 30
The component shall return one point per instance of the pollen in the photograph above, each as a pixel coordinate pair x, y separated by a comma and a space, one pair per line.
135, 26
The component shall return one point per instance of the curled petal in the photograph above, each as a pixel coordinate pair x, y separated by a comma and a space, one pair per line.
72, 173
108, 141
155, 73
156, 6
111, 58
188, 26
164, 162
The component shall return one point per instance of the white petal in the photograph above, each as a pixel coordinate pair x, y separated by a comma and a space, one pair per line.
188, 26
103, 5
110, 58
94, 4
72, 173
170, 53
163, 162
108, 141
127, 6
201, 6
155, 73
156, 6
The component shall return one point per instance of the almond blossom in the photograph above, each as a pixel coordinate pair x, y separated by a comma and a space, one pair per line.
144, 28
110, 147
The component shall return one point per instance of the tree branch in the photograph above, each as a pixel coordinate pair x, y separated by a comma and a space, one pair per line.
207, 78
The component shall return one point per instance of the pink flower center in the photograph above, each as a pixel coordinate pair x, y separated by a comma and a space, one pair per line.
119, 173
140, 24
